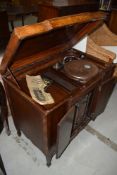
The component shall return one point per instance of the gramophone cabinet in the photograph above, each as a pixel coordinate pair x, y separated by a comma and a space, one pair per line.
80, 84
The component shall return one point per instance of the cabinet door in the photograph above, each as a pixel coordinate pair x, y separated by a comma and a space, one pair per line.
64, 129
81, 116
101, 97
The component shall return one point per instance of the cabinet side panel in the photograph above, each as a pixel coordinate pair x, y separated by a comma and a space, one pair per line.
26, 116
101, 97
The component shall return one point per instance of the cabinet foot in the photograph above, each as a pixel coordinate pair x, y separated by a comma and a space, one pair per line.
6, 126
48, 161
19, 133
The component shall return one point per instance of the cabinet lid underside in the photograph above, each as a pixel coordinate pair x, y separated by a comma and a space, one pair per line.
49, 36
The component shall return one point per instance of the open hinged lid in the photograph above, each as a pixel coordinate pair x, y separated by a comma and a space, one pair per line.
49, 36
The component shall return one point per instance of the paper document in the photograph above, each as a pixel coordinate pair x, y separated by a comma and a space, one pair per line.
36, 87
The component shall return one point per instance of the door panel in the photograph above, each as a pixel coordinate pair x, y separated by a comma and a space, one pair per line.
80, 108
81, 116
64, 129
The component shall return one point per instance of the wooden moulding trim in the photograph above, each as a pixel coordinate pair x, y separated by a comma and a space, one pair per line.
80, 18
28, 31
51, 24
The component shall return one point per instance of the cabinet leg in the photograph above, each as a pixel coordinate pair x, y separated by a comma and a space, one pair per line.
2, 166
17, 129
4, 113
48, 160
19, 132
4, 109
6, 125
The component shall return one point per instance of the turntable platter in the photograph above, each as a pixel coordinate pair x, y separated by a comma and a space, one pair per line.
81, 70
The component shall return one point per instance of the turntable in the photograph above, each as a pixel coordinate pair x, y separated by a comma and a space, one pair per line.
77, 67
81, 70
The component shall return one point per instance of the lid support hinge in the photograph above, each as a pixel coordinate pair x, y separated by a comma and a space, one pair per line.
14, 78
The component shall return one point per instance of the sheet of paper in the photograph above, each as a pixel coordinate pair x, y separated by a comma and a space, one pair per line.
36, 88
